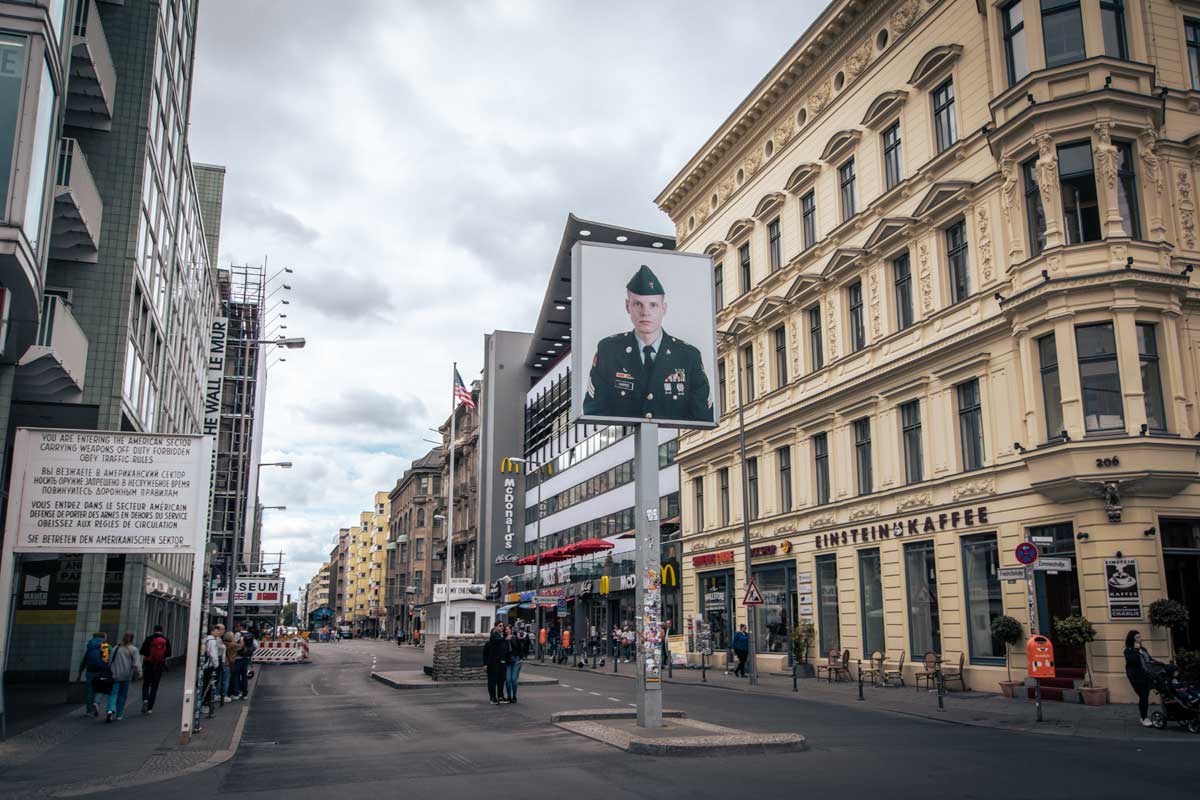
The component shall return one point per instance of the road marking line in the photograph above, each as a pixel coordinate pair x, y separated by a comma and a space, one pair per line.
314, 689
633, 705
614, 699
578, 689
597, 694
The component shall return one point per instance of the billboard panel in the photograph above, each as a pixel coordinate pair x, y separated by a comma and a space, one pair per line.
642, 337
108, 492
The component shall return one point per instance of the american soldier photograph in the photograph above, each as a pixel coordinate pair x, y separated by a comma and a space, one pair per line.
641, 370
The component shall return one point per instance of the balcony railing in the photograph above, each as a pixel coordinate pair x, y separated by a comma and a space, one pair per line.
78, 207
93, 83
53, 369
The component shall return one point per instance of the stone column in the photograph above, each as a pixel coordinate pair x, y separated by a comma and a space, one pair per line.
1068, 377
1132, 391
1104, 155
1010, 205
1029, 372
1152, 183
1171, 357
1046, 170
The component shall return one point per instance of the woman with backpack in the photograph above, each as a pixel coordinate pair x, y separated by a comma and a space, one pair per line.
126, 666
94, 666
155, 652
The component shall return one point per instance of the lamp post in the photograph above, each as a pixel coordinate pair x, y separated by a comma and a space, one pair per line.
750, 610
531, 464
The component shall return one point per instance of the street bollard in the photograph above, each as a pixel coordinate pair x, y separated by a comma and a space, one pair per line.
860, 694
794, 687
937, 677
670, 667
1037, 697
703, 667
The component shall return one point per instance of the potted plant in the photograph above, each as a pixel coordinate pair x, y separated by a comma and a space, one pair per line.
1169, 614
802, 639
1076, 631
1007, 630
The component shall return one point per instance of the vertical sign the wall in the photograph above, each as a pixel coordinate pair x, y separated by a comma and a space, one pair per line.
215, 373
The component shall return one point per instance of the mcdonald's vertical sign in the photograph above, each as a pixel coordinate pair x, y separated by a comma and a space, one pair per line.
669, 576
603, 584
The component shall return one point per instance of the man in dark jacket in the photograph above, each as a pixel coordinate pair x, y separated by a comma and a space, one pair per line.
741, 649
493, 659
155, 652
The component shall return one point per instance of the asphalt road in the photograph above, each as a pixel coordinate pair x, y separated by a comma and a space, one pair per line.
327, 730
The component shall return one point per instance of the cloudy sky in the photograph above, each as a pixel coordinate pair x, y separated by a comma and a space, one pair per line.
414, 163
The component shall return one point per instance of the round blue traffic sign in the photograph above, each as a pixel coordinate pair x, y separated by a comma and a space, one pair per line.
1027, 553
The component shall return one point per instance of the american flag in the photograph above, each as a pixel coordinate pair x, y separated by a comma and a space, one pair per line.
462, 392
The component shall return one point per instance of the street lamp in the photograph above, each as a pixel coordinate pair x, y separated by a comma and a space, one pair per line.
445, 632
291, 343
751, 611
531, 464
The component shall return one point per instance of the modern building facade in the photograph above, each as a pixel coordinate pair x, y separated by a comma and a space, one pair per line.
414, 532
954, 242
129, 289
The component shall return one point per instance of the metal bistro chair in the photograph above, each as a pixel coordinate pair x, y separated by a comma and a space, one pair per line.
842, 670
831, 660
888, 675
958, 675
929, 662
874, 668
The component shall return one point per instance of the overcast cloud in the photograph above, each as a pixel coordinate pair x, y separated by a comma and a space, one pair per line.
414, 163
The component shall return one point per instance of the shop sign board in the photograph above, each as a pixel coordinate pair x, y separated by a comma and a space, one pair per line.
258, 591
709, 559
913, 526
1045, 564
714, 599
1123, 589
1012, 573
458, 591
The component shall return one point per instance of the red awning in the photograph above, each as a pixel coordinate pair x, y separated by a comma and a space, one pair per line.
588, 546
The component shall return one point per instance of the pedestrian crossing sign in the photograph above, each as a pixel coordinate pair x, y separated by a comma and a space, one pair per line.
753, 595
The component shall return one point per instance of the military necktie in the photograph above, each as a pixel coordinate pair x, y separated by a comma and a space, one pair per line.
648, 350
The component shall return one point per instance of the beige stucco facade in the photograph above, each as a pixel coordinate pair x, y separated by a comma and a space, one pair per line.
933, 306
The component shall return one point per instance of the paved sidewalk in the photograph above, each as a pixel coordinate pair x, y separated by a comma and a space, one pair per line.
75, 754
981, 709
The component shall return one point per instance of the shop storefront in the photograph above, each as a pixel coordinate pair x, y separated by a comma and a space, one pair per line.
776, 583
715, 601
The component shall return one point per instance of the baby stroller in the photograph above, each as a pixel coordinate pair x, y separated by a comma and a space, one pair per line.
1180, 701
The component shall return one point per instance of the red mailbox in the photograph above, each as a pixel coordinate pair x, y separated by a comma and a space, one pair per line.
1040, 652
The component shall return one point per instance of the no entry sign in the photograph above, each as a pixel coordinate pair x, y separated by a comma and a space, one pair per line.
1027, 553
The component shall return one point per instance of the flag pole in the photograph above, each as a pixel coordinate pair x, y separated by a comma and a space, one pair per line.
448, 566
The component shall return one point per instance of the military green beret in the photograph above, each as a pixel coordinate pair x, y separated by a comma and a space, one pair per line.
644, 281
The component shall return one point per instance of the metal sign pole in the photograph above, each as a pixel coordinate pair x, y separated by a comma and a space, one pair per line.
647, 587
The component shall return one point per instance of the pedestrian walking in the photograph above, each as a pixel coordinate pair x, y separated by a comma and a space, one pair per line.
126, 667
241, 665
518, 651
155, 651
493, 659
630, 641
212, 667
1137, 670
92, 668
741, 649
232, 646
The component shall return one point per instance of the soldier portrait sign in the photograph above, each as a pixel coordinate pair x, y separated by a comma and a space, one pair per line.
642, 338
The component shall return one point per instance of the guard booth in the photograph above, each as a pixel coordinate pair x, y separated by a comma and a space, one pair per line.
470, 616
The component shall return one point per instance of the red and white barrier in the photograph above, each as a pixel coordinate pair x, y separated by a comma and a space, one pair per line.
293, 652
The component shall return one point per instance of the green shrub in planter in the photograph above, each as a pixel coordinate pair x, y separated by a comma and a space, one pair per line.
1076, 631
1170, 614
1007, 630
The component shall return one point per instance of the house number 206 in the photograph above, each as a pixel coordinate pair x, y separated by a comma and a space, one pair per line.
1108, 462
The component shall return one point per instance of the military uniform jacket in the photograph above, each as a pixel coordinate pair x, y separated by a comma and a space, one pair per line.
676, 389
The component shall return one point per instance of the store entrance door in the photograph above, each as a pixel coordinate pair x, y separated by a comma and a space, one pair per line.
1058, 592
716, 598
1181, 560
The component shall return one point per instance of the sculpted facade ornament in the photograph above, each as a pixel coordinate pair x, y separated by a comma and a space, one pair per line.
795, 347
752, 163
1187, 209
925, 276
724, 189
985, 242
822, 519
1106, 155
1047, 170
862, 512
914, 501
974, 488
1008, 200
819, 99
1148, 145
785, 131
875, 323
831, 325
904, 16
858, 61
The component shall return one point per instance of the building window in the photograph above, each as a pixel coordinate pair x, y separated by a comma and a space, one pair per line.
1035, 216
902, 280
1014, 49
12, 70
862, 454
1099, 378
814, 337
1112, 20
846, 182
820, 444
924, 626
1192, 28
892, 159
783, 456
719, 285
420, 553
1062, 30
944, 127
752, 487
910, 422
1051, 386
781, 357
698, 486
808, 217
1156, 417
828, 615
858, 332
1127, 189
870, 583
970, 424
956, 256
744, 262
748, 372
1077, 179
981, 564
722, 386
723, 482
774, 254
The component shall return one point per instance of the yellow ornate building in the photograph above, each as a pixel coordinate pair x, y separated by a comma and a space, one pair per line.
954, 240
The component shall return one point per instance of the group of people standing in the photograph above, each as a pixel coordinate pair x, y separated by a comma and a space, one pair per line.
108, 671
503, 653
227, 664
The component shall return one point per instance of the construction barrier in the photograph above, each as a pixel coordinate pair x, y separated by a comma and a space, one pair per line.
293, 652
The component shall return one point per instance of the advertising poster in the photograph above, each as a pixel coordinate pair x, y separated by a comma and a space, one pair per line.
643, 343
1123, 589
